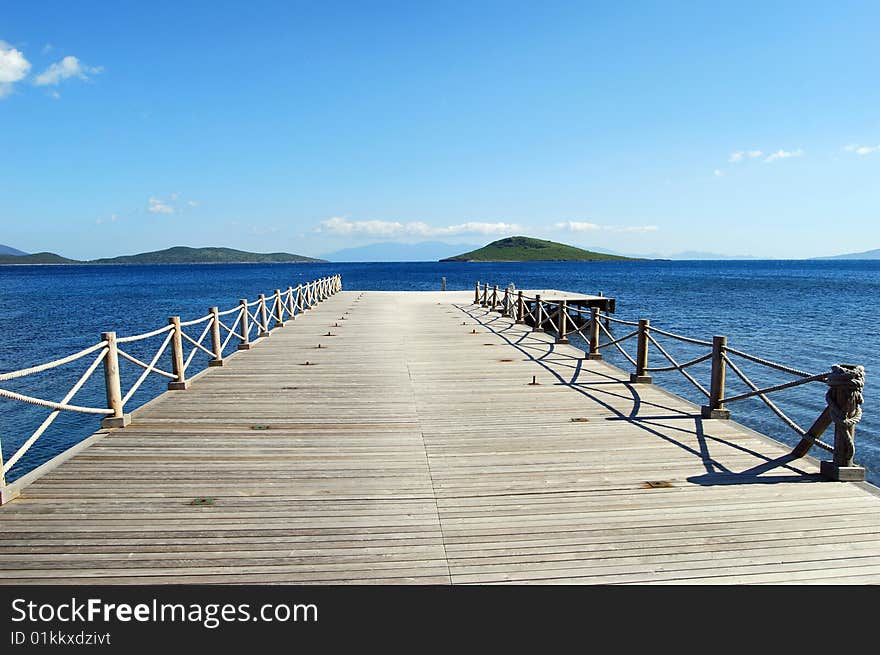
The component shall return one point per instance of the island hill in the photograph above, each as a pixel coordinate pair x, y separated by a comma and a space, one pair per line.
527, 249
175, 255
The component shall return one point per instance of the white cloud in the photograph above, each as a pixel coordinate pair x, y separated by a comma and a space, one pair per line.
740, 155
66, 68
13, 67
717, 173
395, 229
783, 154
579, 226
862, 150
159, 207
192, 203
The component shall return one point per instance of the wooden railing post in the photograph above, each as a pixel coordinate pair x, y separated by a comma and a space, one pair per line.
177, 366
485, 301
844, 400
505, 303
6, 495
112, 385
594, 334
245, 326
715, 408
641, 376
216, 342
562, 320
494, 307
539, 314
279, 309
477, 294
264, 317
443, 283
291, 308
520, 308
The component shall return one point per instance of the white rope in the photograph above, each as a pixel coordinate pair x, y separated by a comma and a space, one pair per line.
58, 362
149, 368
145, 335
45, 424
232, 333
230, 311
196, 344
135, 360
196, 321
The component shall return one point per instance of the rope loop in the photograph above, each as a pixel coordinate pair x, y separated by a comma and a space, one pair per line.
851, 379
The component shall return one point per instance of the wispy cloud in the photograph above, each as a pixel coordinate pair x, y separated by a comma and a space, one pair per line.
396, 229
581, 226
718, 173
13, 67
67, 68
741, 155
783, 154
861, 150
159, 207
176, 203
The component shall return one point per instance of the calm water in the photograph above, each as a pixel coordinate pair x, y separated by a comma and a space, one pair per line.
805, 314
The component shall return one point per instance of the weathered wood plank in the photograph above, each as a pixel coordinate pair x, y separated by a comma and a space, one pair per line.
413, 451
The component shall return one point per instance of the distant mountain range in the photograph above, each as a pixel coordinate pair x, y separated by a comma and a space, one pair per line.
9, 250
528, 249
426, 251
868, 254
175, 255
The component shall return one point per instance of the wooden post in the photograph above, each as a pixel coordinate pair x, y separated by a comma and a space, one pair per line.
290, 306
6, 494
594, 334
485, 301
216, 342
563, 323
443, 283
264, 317
112, 385
520, 308
494, 307
715, 408
245, 326
279, 309
177, 357
844, 400
641, 376
539, 312
505, 303
477, 294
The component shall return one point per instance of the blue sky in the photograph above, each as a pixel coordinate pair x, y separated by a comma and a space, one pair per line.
739, 128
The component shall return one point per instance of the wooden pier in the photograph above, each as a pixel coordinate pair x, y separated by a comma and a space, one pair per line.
431, 440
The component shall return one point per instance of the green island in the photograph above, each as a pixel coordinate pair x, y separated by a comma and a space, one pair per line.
175, 255
527, 249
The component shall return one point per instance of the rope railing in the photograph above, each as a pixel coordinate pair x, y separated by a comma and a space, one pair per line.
844, 383
208, 342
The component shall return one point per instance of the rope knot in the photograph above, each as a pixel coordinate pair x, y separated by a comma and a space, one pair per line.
844, 396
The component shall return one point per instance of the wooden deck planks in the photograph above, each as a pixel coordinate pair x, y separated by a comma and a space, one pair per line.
412, 450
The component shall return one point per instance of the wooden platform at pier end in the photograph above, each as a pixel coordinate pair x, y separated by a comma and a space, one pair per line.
412, 450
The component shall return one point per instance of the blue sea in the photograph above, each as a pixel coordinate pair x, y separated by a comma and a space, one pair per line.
806, 314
